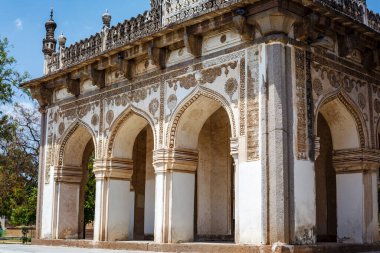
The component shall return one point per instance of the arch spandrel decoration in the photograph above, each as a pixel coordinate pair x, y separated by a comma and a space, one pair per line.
188, 101
352, 109
68, 134
120, 120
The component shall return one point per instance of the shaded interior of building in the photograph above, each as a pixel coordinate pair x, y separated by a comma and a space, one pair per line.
325, 185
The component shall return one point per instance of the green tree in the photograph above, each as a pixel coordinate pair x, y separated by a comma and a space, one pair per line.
19, 167
89, 193
19, 141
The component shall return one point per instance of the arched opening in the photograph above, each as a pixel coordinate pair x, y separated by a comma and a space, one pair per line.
135, 140
143, 186
76, 186
205, 127
325, 185
88, 189
337, 130
214, 181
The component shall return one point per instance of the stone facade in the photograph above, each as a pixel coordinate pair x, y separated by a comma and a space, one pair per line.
248, 120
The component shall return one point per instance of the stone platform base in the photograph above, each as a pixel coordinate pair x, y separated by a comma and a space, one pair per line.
212, 247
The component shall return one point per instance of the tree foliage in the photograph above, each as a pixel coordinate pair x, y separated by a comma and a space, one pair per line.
19, 167
9, 77
89, 201
19, 142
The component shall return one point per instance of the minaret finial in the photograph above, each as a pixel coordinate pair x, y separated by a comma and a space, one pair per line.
106, 19
49, 43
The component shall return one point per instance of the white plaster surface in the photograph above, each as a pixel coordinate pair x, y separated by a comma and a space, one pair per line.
99, 188
47, 209
119, 202
249, 194
61, 94
87, 86
159, 207
304, 201
182, 207
350, 207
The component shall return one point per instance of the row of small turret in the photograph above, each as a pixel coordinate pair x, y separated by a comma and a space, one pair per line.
50, 43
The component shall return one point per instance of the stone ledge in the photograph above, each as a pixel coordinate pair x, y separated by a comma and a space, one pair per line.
211, 247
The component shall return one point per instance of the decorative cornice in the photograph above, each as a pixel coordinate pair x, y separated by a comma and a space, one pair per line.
181, 160
356, 160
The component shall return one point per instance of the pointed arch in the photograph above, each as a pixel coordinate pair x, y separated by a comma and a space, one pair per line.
207, 97
352, 111
130, 114
68, 134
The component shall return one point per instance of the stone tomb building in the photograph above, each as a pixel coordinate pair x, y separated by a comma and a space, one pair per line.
254, 121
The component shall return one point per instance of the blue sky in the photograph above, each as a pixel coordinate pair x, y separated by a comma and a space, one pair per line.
22, 22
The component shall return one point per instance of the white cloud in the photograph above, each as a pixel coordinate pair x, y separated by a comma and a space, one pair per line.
18, 23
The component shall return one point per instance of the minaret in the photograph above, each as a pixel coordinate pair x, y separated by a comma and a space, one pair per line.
49, 43
106, 18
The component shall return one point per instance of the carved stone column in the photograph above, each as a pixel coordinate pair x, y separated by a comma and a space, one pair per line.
175, 189
114, 201
356, 182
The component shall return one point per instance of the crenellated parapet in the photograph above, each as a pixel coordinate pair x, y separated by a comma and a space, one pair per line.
169, 13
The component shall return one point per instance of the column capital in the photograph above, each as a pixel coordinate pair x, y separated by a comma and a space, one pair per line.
115, 168
68, 174
178, 159
356, 160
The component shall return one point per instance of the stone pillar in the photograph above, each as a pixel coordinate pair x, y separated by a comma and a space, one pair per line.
41, 170
278, 57
356, 183
66, 205
175, 190
114, 200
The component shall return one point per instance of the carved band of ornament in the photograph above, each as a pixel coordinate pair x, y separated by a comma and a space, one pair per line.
242, 97
206, 76
356, 160
162, 113
209, 94
301, 105
353, 112
253, 109
349, 7
338, 79
179, 159
176, 11
68, 174
114, 168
